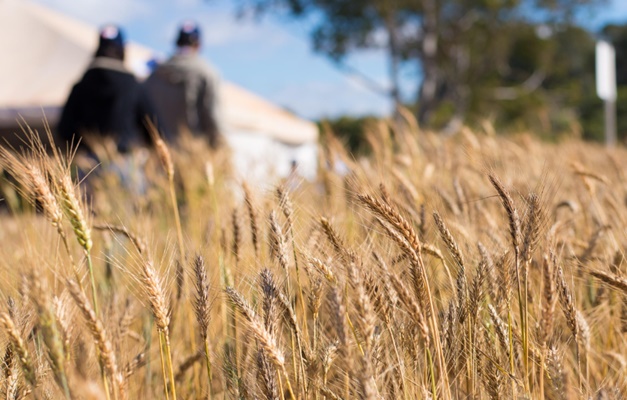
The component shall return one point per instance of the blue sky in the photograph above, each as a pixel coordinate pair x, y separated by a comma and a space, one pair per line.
271, 57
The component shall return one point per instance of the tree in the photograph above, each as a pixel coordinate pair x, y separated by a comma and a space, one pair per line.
617, 35
591, 108
452, 42
544, 75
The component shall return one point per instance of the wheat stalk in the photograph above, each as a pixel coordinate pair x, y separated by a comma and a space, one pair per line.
203, 308
54, 343
406, 238
252, 216
107, 357
515, 235
165, 156
285, 203
266, 340
73, 210
158, 304
277, 245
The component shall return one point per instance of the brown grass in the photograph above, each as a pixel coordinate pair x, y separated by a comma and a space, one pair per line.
427, 277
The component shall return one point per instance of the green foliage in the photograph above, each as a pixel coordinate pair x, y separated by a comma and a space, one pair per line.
542, 84
591, 114
442, 114
617, 35
10, 198
589, 106
351, 130
523, 64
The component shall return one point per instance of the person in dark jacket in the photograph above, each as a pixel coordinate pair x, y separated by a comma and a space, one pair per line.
108, 100
185, 89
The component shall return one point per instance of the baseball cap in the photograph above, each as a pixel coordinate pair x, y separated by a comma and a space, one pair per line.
111, 35
189, 34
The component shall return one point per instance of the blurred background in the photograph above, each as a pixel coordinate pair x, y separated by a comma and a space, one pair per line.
519, 64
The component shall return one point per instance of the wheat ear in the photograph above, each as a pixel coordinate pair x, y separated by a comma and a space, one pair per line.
19, 346
74, 212
202, 307
50, 333
96, 328
266, 340
514, 230
165, 156
252, 217
407, 239
278, 246
285, 203
158, 304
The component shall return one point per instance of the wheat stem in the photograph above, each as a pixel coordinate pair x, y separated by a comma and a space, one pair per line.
163, 367
92, 280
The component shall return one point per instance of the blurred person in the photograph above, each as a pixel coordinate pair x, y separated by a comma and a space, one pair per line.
107, 110
108, 101
293, 179
185, 90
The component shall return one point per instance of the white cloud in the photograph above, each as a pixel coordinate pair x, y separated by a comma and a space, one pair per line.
218, 24
188, 3
98, 12
222, 28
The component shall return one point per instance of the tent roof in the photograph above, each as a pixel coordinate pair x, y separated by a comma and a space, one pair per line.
45, 53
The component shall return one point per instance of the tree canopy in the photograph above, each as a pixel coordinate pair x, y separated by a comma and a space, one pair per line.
512, 61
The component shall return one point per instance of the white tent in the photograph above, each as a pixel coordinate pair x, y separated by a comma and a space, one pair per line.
44, 53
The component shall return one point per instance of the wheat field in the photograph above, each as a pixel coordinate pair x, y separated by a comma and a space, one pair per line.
474, 266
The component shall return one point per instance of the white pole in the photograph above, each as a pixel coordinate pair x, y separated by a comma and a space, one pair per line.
610, 123
606, 87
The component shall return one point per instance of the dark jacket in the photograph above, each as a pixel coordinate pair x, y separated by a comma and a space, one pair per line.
186, 93
107, 101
